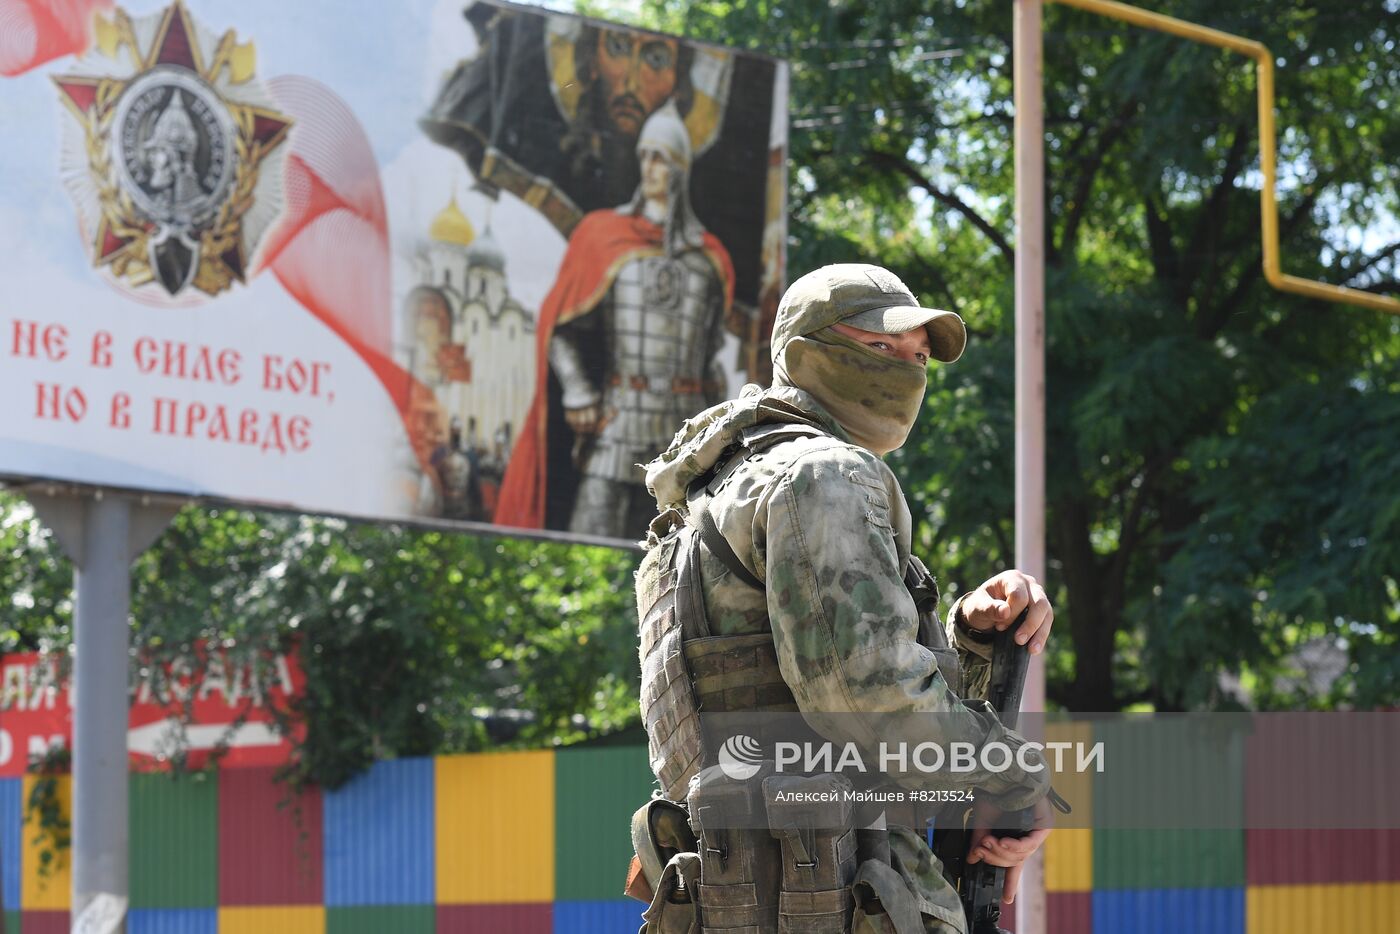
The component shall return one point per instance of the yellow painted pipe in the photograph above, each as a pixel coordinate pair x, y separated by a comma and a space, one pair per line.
1268, 158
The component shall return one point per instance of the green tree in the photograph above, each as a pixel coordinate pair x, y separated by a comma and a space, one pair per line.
1221, 470
413, 642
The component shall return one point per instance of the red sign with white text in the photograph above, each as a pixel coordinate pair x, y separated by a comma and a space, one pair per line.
215, 699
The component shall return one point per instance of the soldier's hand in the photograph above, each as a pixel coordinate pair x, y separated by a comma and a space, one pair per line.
1010, 852
584, 420
997, 603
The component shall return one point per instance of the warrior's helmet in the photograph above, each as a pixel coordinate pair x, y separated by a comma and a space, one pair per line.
171, 146
665, 132
174, 128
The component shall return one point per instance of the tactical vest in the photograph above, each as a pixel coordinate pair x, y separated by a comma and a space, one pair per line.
686, 668
811, 870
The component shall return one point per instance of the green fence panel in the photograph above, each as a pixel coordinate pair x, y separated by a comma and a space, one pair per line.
1168, 807
1168, 859
379, 919
596, 789
174, 841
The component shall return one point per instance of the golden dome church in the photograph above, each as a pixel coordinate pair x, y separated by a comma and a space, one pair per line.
466, 337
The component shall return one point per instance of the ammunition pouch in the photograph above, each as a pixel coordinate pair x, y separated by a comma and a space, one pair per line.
660, 830
810, 817
872, 843
673, 909
740, 862
883, 902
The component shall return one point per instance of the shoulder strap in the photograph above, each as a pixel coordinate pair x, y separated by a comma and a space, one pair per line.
690, 599
719, 545
702, 493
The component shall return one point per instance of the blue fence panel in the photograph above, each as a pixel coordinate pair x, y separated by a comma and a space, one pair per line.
378, 837
173, 921
1169, 911
604, 917
11, 817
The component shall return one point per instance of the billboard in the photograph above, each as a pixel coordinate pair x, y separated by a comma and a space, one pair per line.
441, 261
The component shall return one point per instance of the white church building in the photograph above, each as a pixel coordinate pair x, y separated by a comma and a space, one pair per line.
462, 277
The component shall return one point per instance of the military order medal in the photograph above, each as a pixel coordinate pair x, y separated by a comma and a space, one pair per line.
169, 164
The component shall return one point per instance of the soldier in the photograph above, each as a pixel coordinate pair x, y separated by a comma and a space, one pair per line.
168, 154
804, 535
643, 290
459, 475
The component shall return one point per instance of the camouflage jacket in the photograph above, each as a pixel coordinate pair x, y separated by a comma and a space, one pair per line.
825, 525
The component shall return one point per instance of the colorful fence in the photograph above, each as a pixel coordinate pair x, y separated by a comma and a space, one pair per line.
1165, 881
537, 842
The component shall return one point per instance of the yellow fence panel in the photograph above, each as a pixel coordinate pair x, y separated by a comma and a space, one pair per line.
280, 919
1358, 908
495, 828
45, 888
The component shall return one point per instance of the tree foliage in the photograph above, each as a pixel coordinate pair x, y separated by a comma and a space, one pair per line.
413, 642
1220, 473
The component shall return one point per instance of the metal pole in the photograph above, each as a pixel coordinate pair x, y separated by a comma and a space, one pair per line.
101, 534
1030, 371
103, 584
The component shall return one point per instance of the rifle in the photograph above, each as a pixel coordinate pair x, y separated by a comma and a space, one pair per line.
980, 885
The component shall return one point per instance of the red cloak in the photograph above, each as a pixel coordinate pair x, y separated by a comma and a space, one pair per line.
598, 248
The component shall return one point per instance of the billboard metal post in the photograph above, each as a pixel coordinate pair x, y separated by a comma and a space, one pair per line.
1030, 371
102, 535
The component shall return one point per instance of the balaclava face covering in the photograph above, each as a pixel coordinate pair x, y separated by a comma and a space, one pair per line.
874, 397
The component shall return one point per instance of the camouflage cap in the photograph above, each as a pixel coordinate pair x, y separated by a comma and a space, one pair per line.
867, 297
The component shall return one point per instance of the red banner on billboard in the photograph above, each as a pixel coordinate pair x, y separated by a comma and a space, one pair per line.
213, 699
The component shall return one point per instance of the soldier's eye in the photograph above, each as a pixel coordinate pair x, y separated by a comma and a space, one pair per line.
618, 44
658, 56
